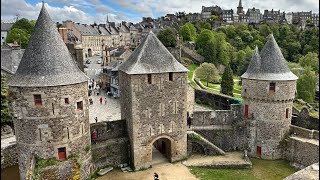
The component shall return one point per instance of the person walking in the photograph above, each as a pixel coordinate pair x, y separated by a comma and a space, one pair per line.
94, 137
96, 118
105, 100
155, 176
100, 100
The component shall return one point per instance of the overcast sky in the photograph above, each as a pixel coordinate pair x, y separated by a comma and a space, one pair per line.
89, 11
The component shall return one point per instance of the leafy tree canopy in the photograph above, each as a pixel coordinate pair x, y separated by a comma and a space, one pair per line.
208, 72
306, 85
168, 37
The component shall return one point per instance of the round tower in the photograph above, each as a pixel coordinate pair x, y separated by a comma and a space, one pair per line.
50, 102
268, 91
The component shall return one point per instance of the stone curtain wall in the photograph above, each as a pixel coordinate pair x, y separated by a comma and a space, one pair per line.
9, 156
216, 101
304, 133
217, 117
109, 130
305, 120
112, 152
190, 99
42, 130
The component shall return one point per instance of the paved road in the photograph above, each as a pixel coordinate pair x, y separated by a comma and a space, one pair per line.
93, 69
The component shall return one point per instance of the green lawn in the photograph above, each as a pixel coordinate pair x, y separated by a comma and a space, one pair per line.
216, 88
262, 170
191, 69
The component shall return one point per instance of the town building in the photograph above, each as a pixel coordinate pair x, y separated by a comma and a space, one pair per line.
227, 16
50, 108
268, 91
315, 19
271, 16
254, 15
10, 59
207, 12
192, 17
301, 17
5, 28
289, 17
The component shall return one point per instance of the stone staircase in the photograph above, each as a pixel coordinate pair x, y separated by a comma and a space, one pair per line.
193, 136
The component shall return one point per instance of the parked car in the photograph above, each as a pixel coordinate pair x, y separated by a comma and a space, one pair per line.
88, 61
99, 61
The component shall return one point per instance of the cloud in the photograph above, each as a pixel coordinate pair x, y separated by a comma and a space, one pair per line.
85, 11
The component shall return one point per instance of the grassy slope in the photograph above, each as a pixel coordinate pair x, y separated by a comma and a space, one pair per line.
262, 169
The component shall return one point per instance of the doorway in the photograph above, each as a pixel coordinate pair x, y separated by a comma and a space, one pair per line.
90, 52
62, 155
161, 151
259, 151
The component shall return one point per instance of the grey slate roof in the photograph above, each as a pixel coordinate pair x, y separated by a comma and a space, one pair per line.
254, 65
10, 59
6, 26
273, 65
86, 30
151, 56
46, 61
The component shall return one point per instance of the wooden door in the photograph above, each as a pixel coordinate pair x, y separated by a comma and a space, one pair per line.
62, 153
259, 151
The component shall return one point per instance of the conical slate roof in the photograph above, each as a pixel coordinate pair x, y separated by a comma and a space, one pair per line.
272, 65
254, 65
150, 57
46, 61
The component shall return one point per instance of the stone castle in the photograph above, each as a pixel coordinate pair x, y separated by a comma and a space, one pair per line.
51, 108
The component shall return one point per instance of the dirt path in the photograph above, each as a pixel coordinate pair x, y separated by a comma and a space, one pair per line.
166, 171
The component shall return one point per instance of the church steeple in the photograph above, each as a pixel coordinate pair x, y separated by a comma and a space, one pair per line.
240, 8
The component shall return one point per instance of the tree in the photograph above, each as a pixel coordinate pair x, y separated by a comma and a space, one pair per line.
24, 24
310, 59
5, 117
206, 26
18, 35
231, 32
207, 72
227, 81
188, 32
203, 39
306, 85
221, 51
168, 37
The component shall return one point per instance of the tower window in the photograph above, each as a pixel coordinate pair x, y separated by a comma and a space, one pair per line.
287, 112
149, 79
246, 111
170, 76
272, 87
66, 100
37, 100
80, 105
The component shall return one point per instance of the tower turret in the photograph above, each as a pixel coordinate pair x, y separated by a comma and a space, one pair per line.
268, 90
153, 87
50, 101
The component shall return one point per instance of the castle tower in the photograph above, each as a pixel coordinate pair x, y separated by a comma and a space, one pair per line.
153, 87
268, 90
50, 101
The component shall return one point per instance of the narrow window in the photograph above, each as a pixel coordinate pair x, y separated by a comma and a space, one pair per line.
272, 87
40, 134
82, 129
68, 133
170, 76
52, 108
66, 100
175, 107
150, 131
149, 79
287, 112
246, 111
80, 105
37, 100
245, 90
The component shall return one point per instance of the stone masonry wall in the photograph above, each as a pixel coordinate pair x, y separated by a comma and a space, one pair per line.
41, 130
214, 100
217, 117
111, 152
9, 156
109, 130
159, 110
190, 99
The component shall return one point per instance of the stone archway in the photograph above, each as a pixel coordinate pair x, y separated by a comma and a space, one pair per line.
161, 150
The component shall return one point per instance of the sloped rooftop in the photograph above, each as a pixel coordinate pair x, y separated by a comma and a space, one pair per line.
273, 66
46, 61
150, 57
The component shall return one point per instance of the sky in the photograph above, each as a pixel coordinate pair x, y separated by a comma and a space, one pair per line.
90, 11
